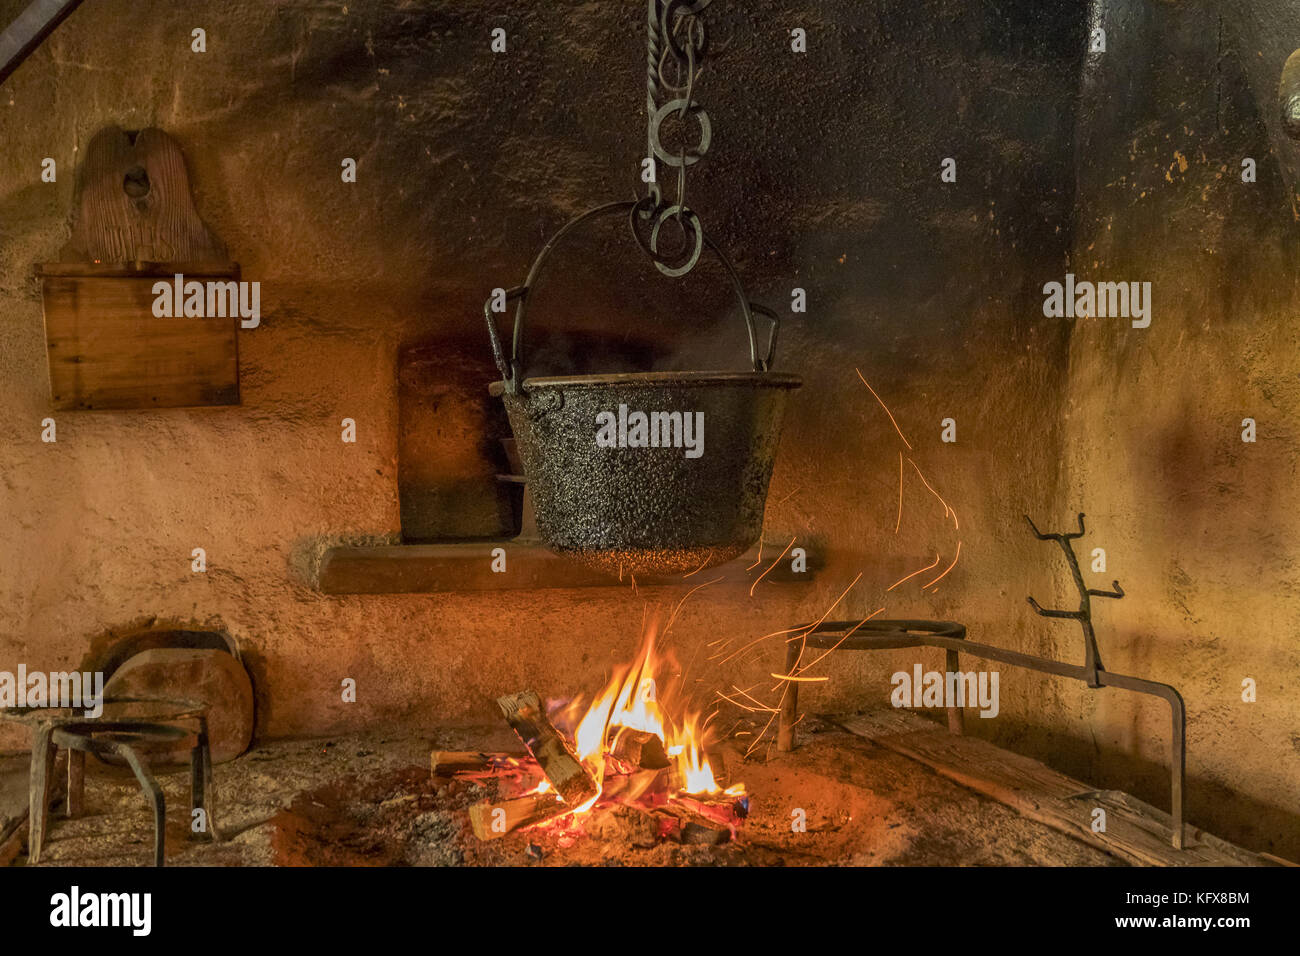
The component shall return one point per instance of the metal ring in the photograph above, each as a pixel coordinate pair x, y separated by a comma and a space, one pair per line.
706, 133
694, 220
662, 263
673, 13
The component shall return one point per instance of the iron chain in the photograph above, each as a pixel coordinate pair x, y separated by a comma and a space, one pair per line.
677, 34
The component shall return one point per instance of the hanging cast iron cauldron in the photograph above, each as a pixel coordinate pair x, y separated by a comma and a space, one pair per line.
645, 509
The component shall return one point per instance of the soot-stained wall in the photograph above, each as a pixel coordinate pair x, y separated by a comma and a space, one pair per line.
1198, 523
824, 175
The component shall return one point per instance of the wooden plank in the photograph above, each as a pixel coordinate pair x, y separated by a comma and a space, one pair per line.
878, 723
426, 568
1135, 831
526, 715
449, 490
139, 269
108, 350
530, 565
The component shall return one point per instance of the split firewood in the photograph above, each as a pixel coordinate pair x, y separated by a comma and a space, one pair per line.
445, 763
722, 809
718, 764
677, 777
492, 821
647, 786
524, 713
690, 826
639, 748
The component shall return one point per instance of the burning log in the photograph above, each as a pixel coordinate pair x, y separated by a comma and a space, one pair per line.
647, 786
687, 825
723, 809
494, 820
718, 764
446, 763
640, 748
524, 713
627, 825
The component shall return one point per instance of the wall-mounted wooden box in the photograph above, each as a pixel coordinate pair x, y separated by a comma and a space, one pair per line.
134, 226
107, 348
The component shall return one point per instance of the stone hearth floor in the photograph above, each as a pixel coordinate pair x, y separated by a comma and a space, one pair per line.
368, 800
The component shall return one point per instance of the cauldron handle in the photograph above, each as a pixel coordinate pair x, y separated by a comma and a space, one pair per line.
512, 371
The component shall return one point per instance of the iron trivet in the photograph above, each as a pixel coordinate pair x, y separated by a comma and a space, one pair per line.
121, 736
882, 635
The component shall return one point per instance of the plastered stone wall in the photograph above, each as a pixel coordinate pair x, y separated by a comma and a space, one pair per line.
1198, 524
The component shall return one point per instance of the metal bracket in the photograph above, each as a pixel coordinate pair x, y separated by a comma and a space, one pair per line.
29, 29
1092, 655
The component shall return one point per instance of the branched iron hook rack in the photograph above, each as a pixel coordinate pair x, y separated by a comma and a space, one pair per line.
1092, 655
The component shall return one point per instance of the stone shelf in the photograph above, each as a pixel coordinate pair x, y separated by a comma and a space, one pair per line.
467, 566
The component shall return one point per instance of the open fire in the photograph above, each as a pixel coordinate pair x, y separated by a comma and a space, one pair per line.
636, 747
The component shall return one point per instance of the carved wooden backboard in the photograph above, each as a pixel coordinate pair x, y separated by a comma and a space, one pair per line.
135, 224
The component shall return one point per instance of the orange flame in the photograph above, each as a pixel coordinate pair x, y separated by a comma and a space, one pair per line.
632, 701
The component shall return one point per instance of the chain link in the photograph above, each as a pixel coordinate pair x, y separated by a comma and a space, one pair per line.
675, 32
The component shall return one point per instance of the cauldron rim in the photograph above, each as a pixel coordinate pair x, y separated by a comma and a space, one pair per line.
657, 380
